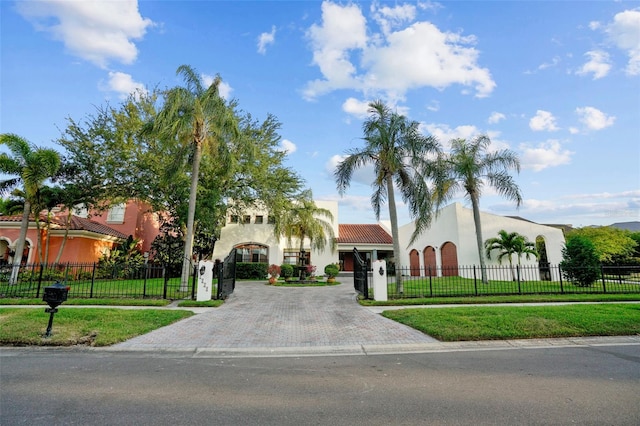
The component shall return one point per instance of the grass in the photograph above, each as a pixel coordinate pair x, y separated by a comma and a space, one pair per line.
202, 304
509, 322
90, 326
525, 298
102, 302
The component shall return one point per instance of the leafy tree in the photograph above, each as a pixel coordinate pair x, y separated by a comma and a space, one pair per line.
508, 244
399, 154
468, 167
612, 245
195, 116
580, 263
30, 167
304, 220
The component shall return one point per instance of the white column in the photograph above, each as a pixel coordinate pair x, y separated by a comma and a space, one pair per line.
205, 280
379, 280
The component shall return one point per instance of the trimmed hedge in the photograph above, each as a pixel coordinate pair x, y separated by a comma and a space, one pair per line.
247, 271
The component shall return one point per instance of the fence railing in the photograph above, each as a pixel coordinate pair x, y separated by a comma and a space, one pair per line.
504, 280
93, 280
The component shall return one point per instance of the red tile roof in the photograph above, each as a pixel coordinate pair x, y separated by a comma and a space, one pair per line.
77, 224
363, 234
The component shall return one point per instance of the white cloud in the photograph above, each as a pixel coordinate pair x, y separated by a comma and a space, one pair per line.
543, 120
598, 64
97, 31
546, 154
594, 119
495, 117
574, 130
393, 17
444, 133
434, 106
624, 32
554, 62
418, 55
356, 108
288, 147
266, 39
123, 84
361, 176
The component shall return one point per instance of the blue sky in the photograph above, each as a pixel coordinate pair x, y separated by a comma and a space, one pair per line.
558, 82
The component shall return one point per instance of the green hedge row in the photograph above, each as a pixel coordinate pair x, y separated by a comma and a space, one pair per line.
246, 271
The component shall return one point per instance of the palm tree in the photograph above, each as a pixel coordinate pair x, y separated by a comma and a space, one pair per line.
196, 117
399, 154
508, 244
468, 167
29, 166
303, 219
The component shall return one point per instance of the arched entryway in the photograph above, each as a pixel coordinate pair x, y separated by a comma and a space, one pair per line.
449, 256
252, 253
414, 263
429, 256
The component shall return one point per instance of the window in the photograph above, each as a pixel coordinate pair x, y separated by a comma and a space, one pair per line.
252, 253
246, 219
292, 257
116, 213
271, 220
233, 219
259, 219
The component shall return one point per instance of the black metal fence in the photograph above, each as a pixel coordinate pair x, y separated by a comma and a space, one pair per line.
94, 280
504, 280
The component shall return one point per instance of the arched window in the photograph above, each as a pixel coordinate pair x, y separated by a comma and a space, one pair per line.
414, 263
252, 253
449, 255
430, 266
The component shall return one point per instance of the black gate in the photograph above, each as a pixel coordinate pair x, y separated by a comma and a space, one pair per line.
227, 276
360, 274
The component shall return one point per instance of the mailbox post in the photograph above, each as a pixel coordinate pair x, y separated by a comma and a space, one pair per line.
54, 295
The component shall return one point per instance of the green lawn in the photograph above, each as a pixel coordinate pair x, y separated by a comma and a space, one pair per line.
90, 326
510, 322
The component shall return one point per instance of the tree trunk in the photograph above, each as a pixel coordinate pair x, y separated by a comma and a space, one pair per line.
393, 217
64, 238
188, 244
17, 257
478, 225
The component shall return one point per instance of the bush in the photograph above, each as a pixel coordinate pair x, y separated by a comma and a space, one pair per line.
331, 270
274, 271
246, 271
286, 271
580, 263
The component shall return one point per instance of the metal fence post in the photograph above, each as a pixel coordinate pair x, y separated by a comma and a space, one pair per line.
518, 273
604, 286
560, 275
93, 280
430, 283
475, 280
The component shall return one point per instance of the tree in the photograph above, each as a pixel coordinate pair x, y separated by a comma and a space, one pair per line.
30, 166
194, 116
580, 263
612, 245
508, 244
399, 154
303, 219
468, 167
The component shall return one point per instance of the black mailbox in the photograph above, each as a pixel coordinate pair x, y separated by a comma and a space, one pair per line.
55, 294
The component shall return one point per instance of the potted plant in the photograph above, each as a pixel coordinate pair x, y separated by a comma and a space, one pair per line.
274, 273
286, 271
331, 271
311, 272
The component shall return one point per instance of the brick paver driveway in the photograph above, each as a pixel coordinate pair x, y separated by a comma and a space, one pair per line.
263, 316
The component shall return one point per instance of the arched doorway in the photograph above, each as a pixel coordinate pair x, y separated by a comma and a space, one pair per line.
449, 256
429, 256
4, 252
252, 253
414, 263
543, 260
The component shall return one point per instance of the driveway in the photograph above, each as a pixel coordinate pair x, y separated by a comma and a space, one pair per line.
262, 317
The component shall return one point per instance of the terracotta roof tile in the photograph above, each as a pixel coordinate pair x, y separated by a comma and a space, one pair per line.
363, 234
77, 224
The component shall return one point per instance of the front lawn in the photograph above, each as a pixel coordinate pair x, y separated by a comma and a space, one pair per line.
90, 326
524, 322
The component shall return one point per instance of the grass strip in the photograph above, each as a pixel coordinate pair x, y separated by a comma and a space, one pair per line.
90, 326
529, 298
522, 322
88, 302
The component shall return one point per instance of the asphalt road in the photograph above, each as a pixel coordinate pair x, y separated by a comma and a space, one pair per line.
588, 385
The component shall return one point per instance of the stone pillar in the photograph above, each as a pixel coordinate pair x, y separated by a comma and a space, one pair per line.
205, 280
379, 280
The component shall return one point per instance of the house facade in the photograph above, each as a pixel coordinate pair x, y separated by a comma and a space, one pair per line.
88, 236
449, 243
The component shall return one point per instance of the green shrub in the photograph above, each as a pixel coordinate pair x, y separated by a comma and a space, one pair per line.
286, 271
245, 271
331, 270
580, 263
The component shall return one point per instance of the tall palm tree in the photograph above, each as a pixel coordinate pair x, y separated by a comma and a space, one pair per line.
399, 154
196, 117
30, 167
508, 244
468, 167
303, 219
